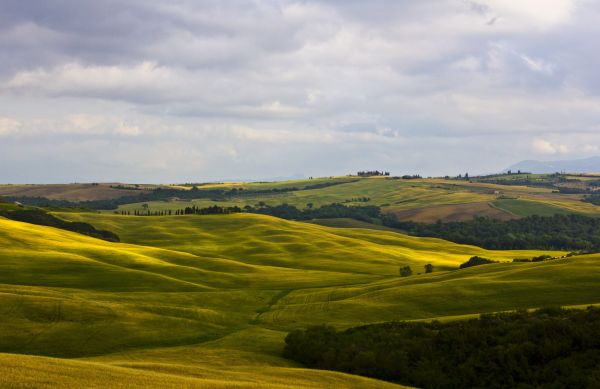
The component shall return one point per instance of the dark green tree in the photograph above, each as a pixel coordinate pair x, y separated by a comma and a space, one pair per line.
405, 271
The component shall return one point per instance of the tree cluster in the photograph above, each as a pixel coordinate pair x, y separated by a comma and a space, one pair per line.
366, 213
326, 184
542, 258
476, 261
193, 210
372, 173
358, 200
547, 348
212, 210
558, 232
126, 187
411, 177
593, 199
405, 271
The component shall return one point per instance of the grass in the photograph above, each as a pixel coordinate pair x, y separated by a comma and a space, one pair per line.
343, 222
25, 371
425, 200
398, 194
454, 213
525, 208
205, 301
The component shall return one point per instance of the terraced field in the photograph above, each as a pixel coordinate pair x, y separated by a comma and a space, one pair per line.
205, 301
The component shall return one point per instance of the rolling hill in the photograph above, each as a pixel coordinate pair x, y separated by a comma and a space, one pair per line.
502, 197
182, 300
421, 200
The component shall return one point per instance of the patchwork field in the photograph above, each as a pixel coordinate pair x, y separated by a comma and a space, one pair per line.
205, 301
422, 200
72, 192
457, 212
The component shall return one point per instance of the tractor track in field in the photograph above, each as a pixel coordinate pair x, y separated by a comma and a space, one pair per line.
113, 318
274, 300
54, 319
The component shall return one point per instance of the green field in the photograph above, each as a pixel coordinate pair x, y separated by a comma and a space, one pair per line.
425, 200
205, 301
528, 208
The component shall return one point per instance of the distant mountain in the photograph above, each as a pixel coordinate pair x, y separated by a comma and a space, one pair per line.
586, 165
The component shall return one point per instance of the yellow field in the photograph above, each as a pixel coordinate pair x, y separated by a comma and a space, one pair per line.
205, 301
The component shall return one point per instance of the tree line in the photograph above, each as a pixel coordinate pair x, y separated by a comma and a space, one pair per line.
372, 173
558, 232
193, 210
366, 213
550, 347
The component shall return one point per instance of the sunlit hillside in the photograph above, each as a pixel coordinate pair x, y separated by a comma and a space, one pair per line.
424, 200
185, 298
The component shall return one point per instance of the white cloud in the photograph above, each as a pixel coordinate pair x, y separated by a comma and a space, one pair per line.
8, 126
324, 81
543, 146
541, 14
281, 136
75, 79
538, 65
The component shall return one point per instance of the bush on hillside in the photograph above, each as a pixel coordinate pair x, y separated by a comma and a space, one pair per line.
405, 271
476, 261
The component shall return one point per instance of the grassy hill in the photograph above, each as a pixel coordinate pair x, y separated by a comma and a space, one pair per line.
423, 200
25, 371
184, 298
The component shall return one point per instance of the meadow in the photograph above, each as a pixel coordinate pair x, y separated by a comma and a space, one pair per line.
206, 301
421, 200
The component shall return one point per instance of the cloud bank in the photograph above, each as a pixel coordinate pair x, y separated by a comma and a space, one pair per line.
187, 91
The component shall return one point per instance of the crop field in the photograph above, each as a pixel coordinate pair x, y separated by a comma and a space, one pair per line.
205, 301
457, 212
527, 208
71, 192
390, 194
422, 200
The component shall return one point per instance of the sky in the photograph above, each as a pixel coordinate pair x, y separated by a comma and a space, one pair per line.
190, 91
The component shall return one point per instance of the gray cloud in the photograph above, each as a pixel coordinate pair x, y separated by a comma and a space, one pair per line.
272, 88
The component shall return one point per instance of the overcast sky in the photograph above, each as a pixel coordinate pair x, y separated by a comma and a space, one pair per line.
187, 90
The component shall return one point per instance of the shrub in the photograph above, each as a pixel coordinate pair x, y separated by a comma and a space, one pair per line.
476, 261
405, 271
